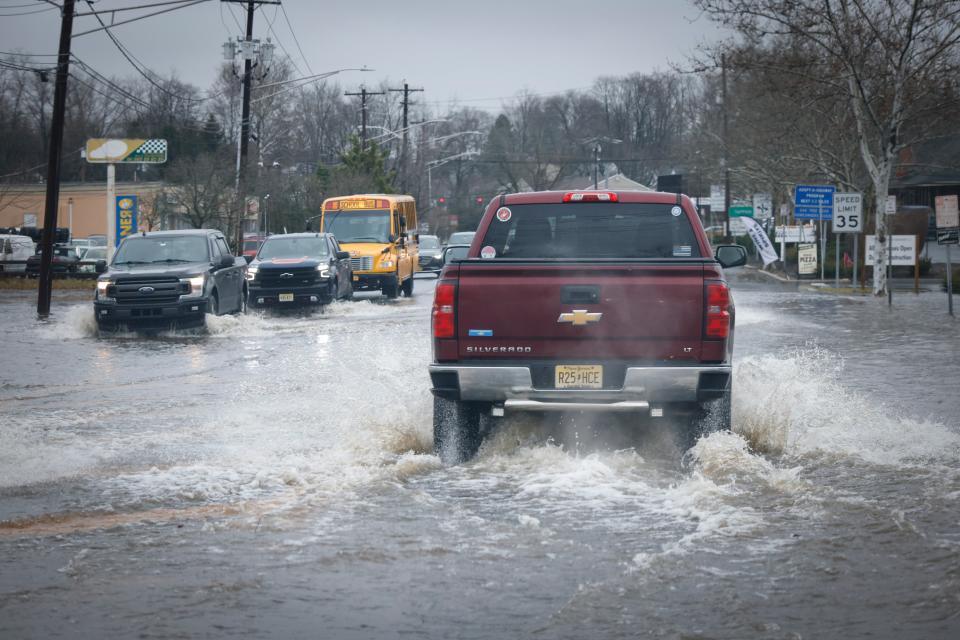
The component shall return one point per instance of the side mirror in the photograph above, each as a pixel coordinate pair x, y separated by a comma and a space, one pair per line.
227, 261
731, 255
343, 255
100, 266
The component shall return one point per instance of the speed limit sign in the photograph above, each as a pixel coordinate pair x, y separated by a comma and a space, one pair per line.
848, 213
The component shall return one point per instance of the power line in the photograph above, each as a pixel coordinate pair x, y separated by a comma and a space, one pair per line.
295, 40
189, 3
143, 72
280, 42
25, 13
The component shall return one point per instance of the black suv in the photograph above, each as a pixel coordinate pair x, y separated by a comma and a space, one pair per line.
299, 269
169, 279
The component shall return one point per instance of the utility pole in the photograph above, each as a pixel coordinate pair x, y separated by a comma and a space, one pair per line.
403, 145
363, 93
247, 50
726, 148
55, 153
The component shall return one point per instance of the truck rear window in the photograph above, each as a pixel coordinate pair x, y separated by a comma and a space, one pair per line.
590, 230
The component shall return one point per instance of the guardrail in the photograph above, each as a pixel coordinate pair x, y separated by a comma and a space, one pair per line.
21, 272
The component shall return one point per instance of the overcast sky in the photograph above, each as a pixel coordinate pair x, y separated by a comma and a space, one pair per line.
478, 53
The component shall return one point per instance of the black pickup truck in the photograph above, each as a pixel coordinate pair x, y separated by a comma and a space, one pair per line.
167, 279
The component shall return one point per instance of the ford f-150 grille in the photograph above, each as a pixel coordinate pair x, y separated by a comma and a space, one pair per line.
285, 278
363, 263
148, 290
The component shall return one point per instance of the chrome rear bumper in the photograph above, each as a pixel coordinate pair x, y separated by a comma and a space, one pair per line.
512, 387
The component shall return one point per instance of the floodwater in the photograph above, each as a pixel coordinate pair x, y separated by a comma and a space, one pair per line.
274, 478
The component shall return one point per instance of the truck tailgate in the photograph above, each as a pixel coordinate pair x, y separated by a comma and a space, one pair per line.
594, 311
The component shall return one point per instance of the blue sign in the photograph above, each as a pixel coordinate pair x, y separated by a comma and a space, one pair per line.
126, 217
813, 202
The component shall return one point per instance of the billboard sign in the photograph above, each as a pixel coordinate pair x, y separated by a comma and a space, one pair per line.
126, 150
126, 217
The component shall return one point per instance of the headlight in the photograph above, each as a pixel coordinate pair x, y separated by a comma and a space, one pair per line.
196, 285
386, 264
102, 289
324, 270
251, 273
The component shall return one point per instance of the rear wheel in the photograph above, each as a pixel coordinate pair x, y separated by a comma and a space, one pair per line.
408, 287
456, 430
705, 418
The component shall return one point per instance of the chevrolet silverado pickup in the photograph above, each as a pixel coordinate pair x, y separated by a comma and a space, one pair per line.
583, 301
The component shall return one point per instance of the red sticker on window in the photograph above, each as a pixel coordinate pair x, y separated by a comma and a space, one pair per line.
504, 214
488, 252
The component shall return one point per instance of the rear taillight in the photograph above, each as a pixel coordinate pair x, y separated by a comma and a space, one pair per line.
444, 317
718, 310
590, 196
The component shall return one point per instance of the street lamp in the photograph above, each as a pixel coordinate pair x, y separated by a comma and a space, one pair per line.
433, 164
596, 155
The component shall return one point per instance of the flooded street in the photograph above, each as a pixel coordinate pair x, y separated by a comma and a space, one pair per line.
275, 478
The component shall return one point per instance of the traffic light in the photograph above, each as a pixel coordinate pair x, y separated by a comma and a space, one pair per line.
479, 200
441, 200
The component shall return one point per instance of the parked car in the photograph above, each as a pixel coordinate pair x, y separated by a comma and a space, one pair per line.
583, 301
97, 240
453, 253
431, 253
461, 237
165, 279
251, 244
15, 248
65, 260
299, 269
92, 255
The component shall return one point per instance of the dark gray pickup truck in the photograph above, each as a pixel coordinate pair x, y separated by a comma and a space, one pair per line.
169, 279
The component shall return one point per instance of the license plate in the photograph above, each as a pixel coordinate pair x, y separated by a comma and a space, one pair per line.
578, 376
286, 297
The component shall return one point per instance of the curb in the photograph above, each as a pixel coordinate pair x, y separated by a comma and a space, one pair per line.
769, 274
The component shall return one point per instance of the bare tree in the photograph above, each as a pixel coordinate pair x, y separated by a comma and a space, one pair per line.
882, 57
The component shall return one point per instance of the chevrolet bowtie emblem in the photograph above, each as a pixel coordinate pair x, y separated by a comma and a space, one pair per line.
579, 317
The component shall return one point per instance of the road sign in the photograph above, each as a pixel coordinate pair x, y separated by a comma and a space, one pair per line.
904, 251
741, 211
762, 206
717, 198
807, 259
948, 216
813, 201
795, 234
948, 236
891, 207
130, 150
847, 213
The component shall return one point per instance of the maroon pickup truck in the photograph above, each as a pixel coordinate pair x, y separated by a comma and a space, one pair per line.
583, 301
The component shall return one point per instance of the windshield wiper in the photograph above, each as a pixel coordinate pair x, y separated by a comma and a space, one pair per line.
364, 238
175, 260
133, 262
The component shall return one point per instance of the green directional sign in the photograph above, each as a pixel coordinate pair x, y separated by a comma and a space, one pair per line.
741, 211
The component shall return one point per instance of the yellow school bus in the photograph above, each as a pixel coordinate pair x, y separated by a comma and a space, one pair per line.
380, 232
